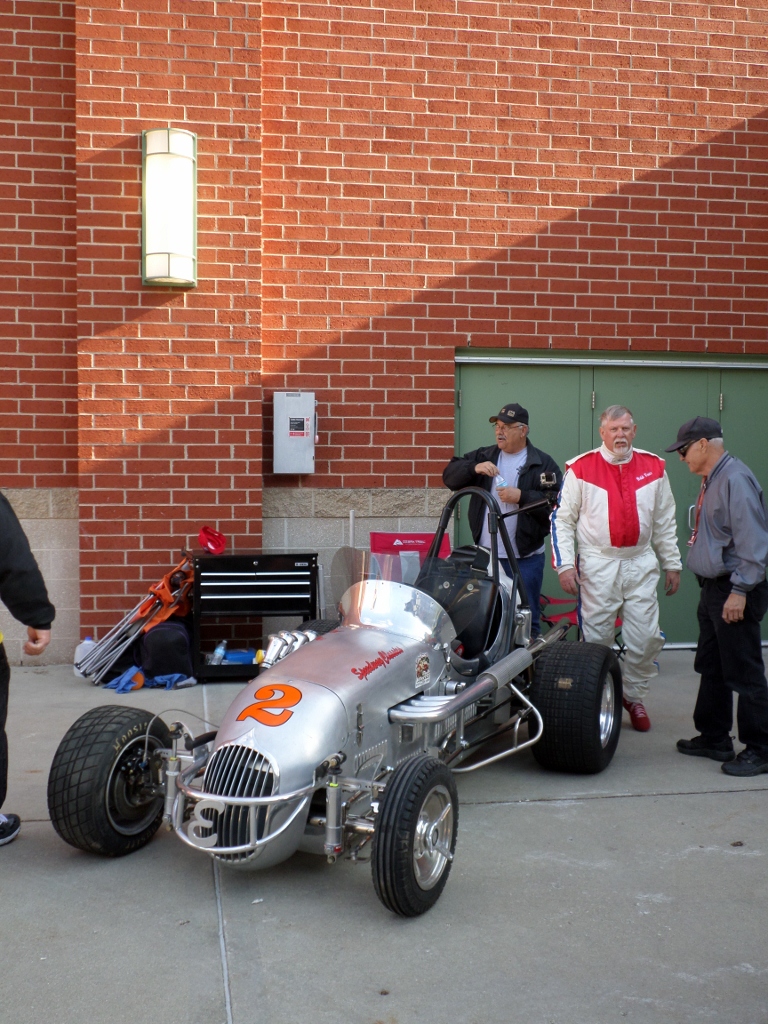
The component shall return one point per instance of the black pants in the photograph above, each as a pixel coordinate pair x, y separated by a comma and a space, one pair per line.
730, 660
5, 679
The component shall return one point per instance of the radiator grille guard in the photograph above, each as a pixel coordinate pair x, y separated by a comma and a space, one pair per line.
240, 772
236, 805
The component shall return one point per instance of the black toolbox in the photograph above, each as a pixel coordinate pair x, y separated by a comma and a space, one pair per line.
249, 584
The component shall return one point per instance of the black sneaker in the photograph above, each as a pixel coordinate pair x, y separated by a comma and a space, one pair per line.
702, 746
10, 826
749, 762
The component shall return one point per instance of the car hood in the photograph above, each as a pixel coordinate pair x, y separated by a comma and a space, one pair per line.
329, 694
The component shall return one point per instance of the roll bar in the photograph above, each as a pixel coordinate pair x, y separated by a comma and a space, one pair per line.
494, 519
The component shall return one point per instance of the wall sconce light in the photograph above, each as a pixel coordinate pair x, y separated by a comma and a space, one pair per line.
169, 207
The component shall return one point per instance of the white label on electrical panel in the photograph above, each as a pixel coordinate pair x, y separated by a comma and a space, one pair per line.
298, 426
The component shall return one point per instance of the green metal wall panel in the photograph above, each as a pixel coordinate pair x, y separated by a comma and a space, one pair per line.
565, 403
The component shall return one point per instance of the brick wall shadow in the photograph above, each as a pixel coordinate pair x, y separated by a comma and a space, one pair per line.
675, 260
672, 261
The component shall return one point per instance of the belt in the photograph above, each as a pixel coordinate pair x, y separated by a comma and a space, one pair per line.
616, 554
712, 579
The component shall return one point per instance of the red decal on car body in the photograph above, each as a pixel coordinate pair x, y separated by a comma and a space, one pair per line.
262, 711
384, 658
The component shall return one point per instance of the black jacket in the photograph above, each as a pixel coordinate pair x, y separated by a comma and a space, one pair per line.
22, 587
532, 527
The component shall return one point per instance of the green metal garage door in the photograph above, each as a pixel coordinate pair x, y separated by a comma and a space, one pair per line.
565, 398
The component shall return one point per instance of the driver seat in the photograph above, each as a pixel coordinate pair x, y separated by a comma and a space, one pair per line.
468, 595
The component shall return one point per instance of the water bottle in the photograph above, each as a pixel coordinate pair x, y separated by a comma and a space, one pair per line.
219, 653
80, 652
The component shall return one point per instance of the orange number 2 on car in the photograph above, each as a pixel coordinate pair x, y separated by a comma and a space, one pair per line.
266, 701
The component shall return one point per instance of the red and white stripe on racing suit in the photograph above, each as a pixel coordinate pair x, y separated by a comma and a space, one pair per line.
615, 511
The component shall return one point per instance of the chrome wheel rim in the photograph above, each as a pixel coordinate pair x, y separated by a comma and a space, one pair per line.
607, 710
432, 840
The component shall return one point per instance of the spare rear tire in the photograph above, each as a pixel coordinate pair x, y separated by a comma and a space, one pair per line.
577, 691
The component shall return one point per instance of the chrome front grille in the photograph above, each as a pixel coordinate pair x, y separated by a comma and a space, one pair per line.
238, 771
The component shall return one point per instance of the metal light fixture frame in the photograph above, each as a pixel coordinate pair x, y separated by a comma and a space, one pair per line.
162, 266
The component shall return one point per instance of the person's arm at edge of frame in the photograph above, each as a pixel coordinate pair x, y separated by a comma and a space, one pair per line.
664, 537
563, 535
22, 587
749, 530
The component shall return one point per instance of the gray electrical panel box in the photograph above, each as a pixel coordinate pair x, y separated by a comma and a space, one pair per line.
294, 432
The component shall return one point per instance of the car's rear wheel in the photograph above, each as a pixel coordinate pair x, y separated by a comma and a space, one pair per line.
415, 836
99, 787
320, 626
577, 691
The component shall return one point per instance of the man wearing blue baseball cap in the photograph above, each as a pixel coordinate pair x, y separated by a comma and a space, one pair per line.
728, 553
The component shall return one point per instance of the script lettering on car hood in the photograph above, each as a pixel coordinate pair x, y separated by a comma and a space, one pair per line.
384, 658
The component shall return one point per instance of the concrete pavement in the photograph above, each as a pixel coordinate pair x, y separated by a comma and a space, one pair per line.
637, 895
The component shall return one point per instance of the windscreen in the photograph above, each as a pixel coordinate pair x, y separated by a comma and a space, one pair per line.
399, 556
396, 608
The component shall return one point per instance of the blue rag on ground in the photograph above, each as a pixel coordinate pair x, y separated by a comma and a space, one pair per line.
126, 682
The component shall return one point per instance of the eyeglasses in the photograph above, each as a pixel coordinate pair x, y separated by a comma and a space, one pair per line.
682, 452
508, 426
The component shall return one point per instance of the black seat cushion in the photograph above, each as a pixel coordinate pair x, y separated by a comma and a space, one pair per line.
469, 597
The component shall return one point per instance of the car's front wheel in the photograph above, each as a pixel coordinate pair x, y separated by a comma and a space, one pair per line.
100, 795
577, 691
415, 836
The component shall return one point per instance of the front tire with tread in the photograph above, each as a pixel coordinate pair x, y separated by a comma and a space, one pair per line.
415, 836
95, 795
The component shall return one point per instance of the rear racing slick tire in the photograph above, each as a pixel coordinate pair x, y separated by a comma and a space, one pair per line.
98, 795
415, 836
320, 626
577, 691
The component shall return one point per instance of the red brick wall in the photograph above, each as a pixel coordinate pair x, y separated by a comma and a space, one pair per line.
38, 331
170, 400
437, 174
443, 174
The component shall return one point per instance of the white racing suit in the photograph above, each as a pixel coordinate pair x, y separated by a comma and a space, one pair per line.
620, 510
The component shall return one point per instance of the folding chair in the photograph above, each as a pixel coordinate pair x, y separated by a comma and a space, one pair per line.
571, 615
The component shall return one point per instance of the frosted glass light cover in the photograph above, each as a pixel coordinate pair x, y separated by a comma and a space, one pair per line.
169, 212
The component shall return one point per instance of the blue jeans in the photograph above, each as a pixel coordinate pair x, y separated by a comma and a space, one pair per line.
532, 571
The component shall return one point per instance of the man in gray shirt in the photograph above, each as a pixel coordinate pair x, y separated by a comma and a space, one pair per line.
728, 554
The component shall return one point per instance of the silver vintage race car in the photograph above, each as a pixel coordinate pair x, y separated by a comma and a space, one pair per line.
353, 731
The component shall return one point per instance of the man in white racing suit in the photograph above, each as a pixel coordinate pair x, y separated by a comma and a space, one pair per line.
617, 504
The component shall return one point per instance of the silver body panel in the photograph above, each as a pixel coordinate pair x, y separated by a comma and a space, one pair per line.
333, 695
329, 695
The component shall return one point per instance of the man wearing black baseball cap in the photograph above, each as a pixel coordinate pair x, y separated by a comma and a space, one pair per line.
728, 553
694, 430
511, 470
